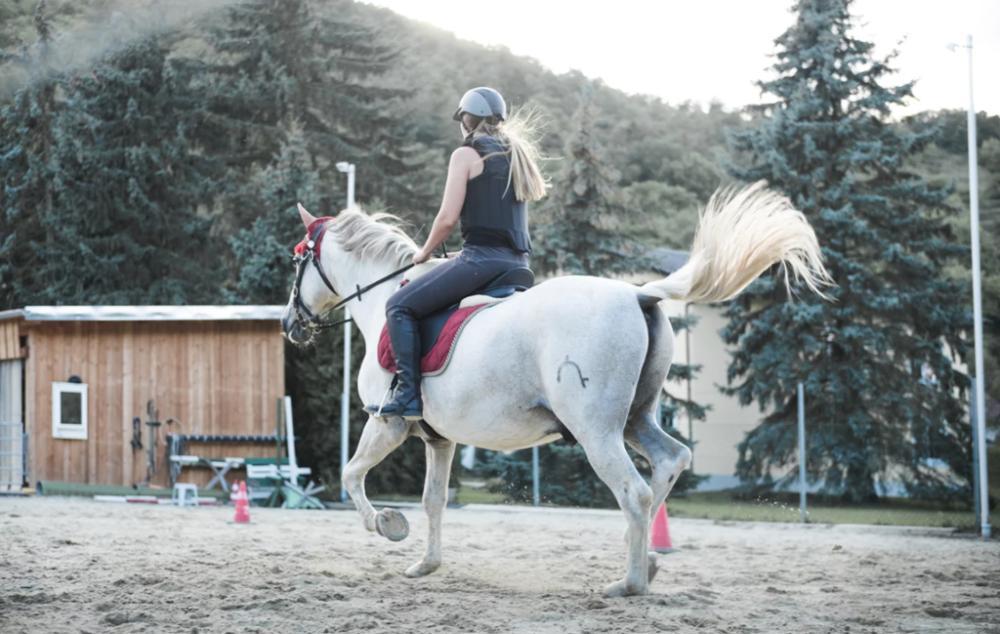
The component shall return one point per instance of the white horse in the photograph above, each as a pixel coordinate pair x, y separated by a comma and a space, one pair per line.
582, 353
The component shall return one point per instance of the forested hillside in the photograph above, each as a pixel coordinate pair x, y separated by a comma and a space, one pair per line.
152, 155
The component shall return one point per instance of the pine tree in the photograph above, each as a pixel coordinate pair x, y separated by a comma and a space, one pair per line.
27, 168
883, 400
673, 405
124, 225
262, 79
285, 60
370, 114
576, 232
262, 251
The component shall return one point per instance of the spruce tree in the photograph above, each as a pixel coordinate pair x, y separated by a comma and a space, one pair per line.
262, 250
260, 78
576, 233
124, 226
883, 396
285, 60
28, 167
373, 121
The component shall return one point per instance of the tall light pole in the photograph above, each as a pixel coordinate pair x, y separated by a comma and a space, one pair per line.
803, 514
345, 398
979, 396
687, 361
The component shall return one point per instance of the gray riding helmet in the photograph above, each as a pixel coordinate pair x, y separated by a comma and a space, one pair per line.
482, 102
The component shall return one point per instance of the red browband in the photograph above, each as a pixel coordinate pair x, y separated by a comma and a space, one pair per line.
314, 233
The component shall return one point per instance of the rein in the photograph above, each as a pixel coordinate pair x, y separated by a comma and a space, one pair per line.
310, 253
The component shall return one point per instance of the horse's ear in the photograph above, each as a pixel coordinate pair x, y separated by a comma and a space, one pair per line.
307, 218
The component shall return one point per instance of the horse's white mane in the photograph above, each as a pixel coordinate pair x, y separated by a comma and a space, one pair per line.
375, 236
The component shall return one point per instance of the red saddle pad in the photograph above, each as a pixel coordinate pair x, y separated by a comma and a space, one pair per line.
437, 357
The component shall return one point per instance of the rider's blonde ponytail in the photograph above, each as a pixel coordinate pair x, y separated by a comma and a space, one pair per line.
519, 132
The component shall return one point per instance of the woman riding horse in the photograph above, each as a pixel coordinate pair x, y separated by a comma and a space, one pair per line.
491, 178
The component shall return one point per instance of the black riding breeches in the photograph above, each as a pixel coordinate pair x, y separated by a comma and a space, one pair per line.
449, 282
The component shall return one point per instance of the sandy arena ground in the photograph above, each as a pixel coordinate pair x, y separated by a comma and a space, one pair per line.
73, 565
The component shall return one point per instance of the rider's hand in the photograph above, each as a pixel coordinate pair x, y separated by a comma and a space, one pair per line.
421, 256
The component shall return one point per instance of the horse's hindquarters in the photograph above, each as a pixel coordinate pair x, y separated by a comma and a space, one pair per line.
565, 352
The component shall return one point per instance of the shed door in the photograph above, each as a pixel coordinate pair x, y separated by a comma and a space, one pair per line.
11, 425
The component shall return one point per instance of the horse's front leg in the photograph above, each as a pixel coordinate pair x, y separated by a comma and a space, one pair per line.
439, 456
378, 440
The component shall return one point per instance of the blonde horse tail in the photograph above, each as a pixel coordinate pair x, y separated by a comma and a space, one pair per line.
742, 233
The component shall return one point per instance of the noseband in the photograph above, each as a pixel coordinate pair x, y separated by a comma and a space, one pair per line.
309, 251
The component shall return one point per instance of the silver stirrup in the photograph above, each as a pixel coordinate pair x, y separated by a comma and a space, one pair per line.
378, 414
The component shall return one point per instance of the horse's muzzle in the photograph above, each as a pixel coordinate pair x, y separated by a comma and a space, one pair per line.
293, 329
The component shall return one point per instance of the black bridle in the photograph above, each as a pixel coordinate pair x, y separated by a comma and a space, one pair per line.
311, 254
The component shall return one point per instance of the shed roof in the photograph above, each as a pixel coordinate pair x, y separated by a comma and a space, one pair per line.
144, 313
667, 261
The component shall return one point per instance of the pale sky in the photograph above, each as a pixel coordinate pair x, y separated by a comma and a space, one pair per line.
701, 50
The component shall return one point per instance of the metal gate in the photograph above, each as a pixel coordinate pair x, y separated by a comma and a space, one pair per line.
11, 426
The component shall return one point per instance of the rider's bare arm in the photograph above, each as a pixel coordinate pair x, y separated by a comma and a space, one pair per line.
459, 168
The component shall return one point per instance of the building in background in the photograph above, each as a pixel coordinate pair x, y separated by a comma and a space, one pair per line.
76, 383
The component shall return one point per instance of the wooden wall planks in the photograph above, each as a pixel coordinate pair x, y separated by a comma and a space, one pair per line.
212, 377
10, 343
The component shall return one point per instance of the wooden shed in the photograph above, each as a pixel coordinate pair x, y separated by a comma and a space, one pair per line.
76, 380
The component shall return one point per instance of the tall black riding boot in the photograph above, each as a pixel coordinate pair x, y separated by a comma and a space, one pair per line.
405, 337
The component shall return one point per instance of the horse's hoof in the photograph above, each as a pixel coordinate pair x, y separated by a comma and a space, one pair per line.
653, 567
622, 588
392, 525
422, 568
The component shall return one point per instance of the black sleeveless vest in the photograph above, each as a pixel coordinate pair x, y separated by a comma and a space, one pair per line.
491, 215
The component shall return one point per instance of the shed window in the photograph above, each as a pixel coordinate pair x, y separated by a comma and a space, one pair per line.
69, 410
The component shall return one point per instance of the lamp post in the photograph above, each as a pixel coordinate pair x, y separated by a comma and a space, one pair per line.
979, 391
687, 361
345, 398
800, 393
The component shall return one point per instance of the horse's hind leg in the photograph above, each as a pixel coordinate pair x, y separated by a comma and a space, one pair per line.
439, 454
612, 464
379, 439
667, 456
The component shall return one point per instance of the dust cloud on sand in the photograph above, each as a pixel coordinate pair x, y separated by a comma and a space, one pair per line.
73, 565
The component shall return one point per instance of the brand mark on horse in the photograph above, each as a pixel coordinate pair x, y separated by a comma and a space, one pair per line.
583, 379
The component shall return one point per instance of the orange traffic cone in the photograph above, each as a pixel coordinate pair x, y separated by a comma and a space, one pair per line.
659, 538
242, 504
